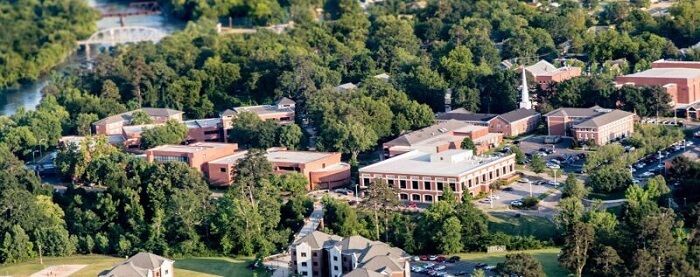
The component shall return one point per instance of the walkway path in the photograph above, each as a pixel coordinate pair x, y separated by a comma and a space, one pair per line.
280, 263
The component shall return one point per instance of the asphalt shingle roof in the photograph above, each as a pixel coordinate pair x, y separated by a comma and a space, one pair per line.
518, 114
603, 119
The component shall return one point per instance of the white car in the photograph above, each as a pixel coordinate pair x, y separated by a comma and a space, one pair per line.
432, 257
553, 166
516, 203
524, 180
640, 165
490, 267
440, 267
688, 143
494, 197
646, 174
635, 181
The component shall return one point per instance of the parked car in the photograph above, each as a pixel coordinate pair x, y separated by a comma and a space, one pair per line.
516, 203
542, 154
635, 181
490, 267
424, 258
646, 174
454, 259
580, 170
412, 205
688, 143
480, 265
505, 149
416, 258
432, 257
440, 267
508, 189
494, 197
553, 166
523, 180
441, 259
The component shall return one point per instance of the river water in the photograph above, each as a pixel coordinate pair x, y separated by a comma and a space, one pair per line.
29, 95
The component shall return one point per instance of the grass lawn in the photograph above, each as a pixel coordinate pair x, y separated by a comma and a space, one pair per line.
547, 257
196, 267
614, 195
524, 225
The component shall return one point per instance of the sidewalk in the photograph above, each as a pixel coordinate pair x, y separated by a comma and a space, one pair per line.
280, 263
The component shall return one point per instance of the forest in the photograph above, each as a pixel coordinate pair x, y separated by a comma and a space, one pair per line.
36, 35
119, 204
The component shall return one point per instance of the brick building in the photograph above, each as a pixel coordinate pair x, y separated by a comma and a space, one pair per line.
323, 170
422, 176
680, 79
443, 136
584, 124
282, 111
196, 155
515, 122
461, 114
113, 125
322, 255
544, 72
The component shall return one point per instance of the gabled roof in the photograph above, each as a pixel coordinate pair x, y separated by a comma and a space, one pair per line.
428, 132
318, 240
603, 119
285, 101
518, 114
381, 249
159, 112
137, 266
576, 112
148, 260
346, 87
462, 114
228, 112
382, 264
541, 68
363, 272
354, 244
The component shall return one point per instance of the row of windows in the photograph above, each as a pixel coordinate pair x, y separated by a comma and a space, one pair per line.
439, 186
165, 159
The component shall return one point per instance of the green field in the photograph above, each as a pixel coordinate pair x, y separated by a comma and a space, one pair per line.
614, 195
547, 257
524, 225
196, 267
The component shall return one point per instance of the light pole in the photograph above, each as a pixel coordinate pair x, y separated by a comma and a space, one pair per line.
530, 184
491, 197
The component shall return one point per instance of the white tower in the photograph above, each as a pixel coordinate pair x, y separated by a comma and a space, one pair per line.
525, 94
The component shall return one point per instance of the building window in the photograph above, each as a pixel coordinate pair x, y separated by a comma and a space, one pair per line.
335, 258
304, 273
402, 184
223, 169
469, 182
166, 272
303, 263
415, 197
315, 254
426, 186
452, 186
303, 254
439, 186
366, 181
315, 263
165, 159
345, 259
390, 182
428, 198
335, 268
315, 273
403, 196
490, 175
414, 184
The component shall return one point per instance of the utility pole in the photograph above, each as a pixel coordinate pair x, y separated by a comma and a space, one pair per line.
491, 197
530, 184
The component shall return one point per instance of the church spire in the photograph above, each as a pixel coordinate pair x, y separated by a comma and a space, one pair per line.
525, 94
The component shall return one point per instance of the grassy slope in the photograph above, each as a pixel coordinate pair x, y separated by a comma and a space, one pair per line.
536, 226
195, 267
547, 257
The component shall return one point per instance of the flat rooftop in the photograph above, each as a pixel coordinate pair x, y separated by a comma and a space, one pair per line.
137, 129
192, 148
279, 156
419, 163
202, 123
684, 73
263, 109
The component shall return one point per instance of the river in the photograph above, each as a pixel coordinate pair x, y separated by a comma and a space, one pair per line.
29, 95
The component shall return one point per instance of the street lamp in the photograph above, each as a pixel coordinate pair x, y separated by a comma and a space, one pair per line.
530, 184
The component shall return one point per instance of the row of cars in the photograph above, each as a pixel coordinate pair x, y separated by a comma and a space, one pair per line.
658, 157
434, 265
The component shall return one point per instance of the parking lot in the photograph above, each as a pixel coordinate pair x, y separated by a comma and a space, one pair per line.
461, 268
518, 192
561, 151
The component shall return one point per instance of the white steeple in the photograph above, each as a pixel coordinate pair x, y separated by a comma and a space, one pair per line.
525, 95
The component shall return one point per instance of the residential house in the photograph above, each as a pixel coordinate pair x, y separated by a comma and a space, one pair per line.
142, 265
322, 255
422, 176
346, 87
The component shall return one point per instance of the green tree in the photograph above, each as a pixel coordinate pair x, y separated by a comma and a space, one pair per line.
140, 117
172, 132
521, 264
571, 211
290, 136
468, 144
537, 164
577, 242
606, 262
474, 223
16, 246
84, 123
519, 156
574, 188
381, 198
449, 236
